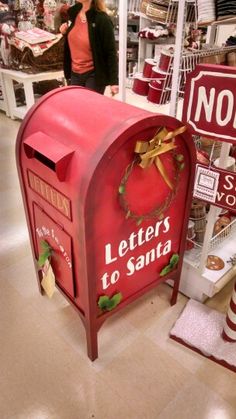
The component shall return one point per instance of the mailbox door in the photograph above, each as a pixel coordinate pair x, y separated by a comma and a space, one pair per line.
47, 230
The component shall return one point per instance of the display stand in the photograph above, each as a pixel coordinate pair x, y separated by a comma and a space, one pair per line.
11, 76
4, 102
197, 281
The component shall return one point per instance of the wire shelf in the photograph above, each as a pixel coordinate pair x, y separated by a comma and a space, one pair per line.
193, 256
222, 235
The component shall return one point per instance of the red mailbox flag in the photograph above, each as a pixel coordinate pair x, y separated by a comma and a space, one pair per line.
107, 190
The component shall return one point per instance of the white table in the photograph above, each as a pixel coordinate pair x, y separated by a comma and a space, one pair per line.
3, 101
9, 76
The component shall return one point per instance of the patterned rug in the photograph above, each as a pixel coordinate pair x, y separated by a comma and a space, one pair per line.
200, 328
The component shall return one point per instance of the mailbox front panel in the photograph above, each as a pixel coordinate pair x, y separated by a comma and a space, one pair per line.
136, 217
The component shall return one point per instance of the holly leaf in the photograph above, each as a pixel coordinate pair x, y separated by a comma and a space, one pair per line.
116, 299
43, 257
103, 301
44, 245
107, 304
45, 254
174, 260
165, 270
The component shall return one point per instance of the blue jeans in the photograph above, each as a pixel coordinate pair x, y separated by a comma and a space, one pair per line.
86, 80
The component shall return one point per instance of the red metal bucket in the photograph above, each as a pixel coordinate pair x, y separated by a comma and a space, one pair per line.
140, 86
165, 60
159, 76
154, 94
148, 65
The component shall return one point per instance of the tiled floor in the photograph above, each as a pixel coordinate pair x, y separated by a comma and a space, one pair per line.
44, 370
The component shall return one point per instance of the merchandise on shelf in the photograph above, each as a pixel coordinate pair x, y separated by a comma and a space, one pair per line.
37, 57
206, 11
225, 9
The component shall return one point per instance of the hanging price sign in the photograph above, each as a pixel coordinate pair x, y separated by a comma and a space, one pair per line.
217, 186
211, 106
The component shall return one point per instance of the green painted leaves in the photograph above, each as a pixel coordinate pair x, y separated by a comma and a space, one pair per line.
45, 254
106, 303
171, 265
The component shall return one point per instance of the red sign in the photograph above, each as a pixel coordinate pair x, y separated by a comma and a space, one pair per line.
225, 196
210, 104
56, 199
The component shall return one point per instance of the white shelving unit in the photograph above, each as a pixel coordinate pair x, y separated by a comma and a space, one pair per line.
197, 281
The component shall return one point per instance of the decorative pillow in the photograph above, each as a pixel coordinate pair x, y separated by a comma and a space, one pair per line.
206, 11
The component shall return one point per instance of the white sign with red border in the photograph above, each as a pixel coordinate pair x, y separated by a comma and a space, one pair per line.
210, 102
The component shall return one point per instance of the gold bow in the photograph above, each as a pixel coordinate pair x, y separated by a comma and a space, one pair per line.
149, 151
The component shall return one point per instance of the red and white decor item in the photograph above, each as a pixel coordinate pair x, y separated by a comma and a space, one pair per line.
158, 76
154, 94
140, 85
155, 80
229, 331
166, 58
148, 66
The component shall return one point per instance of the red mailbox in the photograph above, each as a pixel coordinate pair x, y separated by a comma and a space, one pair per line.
107, 190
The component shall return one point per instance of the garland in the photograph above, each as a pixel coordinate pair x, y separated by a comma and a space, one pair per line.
147, 153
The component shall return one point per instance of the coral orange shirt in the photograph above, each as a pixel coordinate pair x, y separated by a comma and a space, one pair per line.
81, 53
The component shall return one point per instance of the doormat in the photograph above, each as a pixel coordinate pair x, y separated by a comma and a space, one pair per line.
200, 328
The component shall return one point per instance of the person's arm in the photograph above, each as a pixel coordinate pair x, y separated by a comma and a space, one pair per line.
110, 53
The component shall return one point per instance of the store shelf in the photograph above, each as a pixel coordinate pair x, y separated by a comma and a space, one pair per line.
230, 21
224, 250
200, 287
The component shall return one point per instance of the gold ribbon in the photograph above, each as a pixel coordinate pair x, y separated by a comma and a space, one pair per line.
149, 151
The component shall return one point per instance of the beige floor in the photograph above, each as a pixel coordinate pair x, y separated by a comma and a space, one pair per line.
44, 370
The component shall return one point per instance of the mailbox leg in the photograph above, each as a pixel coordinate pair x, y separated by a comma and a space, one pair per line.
175, 292
92, 342
39, 279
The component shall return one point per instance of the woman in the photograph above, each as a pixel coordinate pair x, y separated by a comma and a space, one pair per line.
90, 57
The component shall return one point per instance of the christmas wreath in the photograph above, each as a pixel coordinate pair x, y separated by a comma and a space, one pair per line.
146, 154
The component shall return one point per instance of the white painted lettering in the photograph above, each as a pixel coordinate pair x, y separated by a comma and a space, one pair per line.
123, 248
115, 276
229, 182
229, 107
104, 280
231, 200
108, 258
166, 224
219, 195
207, 104
149, 233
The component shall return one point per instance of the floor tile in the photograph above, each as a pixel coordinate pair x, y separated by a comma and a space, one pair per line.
146, 376
160, 334
219, 379
197, 401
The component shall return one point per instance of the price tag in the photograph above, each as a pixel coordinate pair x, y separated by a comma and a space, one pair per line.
48, 281
206, 184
